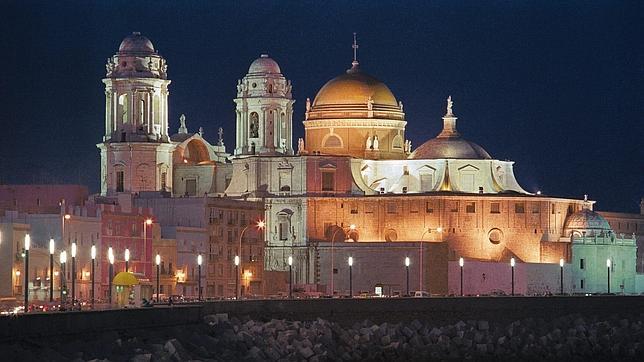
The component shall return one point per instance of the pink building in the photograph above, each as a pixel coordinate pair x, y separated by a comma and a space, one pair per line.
40, 199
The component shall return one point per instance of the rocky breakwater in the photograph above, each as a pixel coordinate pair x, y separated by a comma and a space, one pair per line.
220, 338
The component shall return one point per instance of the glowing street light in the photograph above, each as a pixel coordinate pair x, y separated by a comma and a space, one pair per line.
561, 265
512, 263
73, 274
236, 276
110, 256
407, 262
608, 264
27, 246
290, 277
199, 261
260, 225
63, 261
350, 261
52, 249
157, 261
93, 255
461, 263
127, 260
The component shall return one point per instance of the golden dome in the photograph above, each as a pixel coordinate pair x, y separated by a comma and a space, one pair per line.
355, 88
124, 278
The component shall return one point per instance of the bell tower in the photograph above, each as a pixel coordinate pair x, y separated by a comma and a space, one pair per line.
136, 153
264, 110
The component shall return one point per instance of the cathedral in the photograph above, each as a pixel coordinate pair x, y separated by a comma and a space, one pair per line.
354, 186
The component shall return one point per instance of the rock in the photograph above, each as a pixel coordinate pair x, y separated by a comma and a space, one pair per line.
481, 348
305, 352
385, 340
483, 325
407, 332
415, 324
172, 346
146, 357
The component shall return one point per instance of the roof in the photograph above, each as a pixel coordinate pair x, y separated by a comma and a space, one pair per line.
355, 87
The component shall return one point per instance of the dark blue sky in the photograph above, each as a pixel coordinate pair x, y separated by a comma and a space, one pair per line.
558, 88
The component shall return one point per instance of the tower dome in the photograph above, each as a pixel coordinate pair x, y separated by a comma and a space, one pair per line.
264, 65
449, 144
136, 43
586, 222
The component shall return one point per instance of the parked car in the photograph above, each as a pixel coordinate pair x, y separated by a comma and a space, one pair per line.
421, 294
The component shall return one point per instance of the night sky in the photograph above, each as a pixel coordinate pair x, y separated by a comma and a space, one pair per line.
559, 89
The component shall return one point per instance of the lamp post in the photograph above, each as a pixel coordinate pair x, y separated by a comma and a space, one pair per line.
561, 265
407, 262
127, 260
146, 223
93, 255
512, 266
110, 256
461, 263
199, 261
52, 247
290, 277
65, 218
73, 273
157, 260
27, 246
350, 261
420, 258
260, 226
63, 260
352, 227
608, 264
236, 277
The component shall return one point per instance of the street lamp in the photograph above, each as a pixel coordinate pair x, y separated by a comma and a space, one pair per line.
127, 260
512, 266
158, 263
352, 227
52, 247
110, 257
146, 223
199, 261
350, 261
260, 226
27, 246
608, 264
407, 262
461, 263
93, 255
65, 218
236, 276
561, 265
290, 277
73, 273
439, 230
63, 260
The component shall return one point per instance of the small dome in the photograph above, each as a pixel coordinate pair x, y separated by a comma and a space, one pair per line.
136, 43
588, 222
450, 148
355, 87
264, 65
125, 278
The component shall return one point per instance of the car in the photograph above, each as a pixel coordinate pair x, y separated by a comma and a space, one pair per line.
421, 294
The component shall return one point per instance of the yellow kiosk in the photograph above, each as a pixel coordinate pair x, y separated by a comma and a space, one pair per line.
130, 289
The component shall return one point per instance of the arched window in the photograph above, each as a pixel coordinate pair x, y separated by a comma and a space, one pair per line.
253, 127
397, 142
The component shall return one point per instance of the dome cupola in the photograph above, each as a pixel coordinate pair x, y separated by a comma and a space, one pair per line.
264, 65
449, 144
136, 44
586, 222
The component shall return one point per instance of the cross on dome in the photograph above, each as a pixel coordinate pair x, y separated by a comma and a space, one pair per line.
355, 50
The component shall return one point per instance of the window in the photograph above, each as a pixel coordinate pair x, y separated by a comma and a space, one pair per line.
164, 176
454, 206
253, 130
470, 207
495, 208
328, 181
368, 208
552, 209
230, 236
354, 208
191, 187
333, 141
519, 208
429, 208
535, 209
120, 177
391, 208
581, 283
581, 264
283, 230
